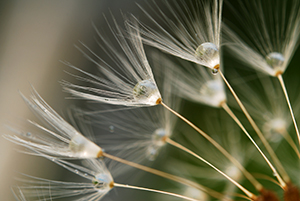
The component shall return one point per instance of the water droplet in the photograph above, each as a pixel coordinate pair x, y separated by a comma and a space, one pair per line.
76, 171
275, 59
111, 128
146, 91
28, 134
214, 71
103, 177
85, 174
207, 51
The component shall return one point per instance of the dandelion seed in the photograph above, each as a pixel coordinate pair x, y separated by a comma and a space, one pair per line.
193, 82
206, 50
99, 183
273, 27
141, 92
141, 133
128, 81
195, 30
138, 132
125, 86
61, 139
96, 172
275, 39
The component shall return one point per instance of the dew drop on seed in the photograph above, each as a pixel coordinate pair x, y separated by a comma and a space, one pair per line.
207, 52
146, 92
103, 177
214, 71
275, 59
111, 129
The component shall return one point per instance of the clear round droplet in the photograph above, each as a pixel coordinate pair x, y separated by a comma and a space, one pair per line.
76, 171
77, 144
111, 129
214, 71
28, 134
275, 59
102, 178
82, 147
208, 53
146, 92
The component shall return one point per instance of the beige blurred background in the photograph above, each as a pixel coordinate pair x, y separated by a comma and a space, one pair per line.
34, 37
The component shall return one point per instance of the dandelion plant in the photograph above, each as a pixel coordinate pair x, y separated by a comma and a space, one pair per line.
157, 107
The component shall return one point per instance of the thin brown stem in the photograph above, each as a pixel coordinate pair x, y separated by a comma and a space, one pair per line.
232, 115
262, 138
154, 190
212, 141
175, 178
289, 139
175, 144
266, 177
279, 76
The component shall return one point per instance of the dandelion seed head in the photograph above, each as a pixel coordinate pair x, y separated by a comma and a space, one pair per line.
158, 136
195, 26
125, 79
277, 125
146, 92
271, 32
193, 82
57, 138
158, 140
98, 182
102, 182
214, 92
208, 53
275, 128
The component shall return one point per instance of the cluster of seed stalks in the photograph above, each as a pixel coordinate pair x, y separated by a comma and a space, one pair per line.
193, 33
